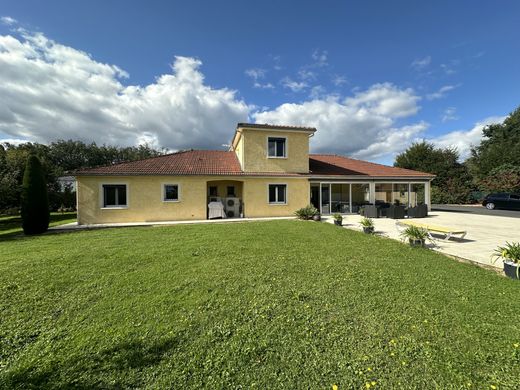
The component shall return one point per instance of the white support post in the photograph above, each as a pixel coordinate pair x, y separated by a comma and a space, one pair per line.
372, 192
427, 194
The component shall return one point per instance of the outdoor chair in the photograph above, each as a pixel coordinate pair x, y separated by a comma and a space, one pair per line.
371, 211
396, 212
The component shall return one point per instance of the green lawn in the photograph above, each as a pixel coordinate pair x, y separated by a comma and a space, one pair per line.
283, 304
12, 225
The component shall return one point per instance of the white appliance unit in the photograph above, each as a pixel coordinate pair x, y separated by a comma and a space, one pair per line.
232, 207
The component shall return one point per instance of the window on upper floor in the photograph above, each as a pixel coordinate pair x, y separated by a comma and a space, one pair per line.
277, 147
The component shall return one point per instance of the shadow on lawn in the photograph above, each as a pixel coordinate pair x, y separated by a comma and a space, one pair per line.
112, 368
11, 227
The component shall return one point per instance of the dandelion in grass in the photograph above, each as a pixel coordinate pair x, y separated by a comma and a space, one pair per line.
334, 387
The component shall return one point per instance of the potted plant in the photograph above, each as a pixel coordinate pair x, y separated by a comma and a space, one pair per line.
416, 235
368, 225
338, 219
316, 217
510, 255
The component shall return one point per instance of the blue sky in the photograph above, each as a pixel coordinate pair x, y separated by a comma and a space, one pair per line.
372, 76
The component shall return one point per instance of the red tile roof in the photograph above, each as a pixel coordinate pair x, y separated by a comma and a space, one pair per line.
190, 162
332, 164
225, 163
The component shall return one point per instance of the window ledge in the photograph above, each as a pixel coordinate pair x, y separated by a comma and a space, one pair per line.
171, 201
282, 158
277, 204
114, 208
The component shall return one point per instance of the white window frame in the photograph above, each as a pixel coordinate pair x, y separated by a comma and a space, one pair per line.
276, 194
286, 148
163, 192
115, 207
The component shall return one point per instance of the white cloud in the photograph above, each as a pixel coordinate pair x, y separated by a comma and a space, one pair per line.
295, 86
8, 21
255, 73
441, 92
263, 85
352, 125
318, 92
463, 140
320, 57
13, 141
339, 80
450, 114
306, 74
421, 63
392, 141
51, 91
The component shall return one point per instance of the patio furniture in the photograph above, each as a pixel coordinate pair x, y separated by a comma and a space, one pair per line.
447, 231
371, 211
396, 212
216, 210
383, 208
419, 211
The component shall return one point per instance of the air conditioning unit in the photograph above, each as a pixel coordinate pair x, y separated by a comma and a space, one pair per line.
232, 207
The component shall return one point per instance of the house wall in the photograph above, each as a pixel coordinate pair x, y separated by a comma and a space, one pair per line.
253, 152
239, 150
256, 202
145, 203
222, 186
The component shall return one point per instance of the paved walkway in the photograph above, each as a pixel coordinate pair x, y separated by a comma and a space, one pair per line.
485, 233
75, 226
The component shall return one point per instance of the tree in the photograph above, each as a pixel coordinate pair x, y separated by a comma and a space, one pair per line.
499, 147
505, 178
35, 203
452, 184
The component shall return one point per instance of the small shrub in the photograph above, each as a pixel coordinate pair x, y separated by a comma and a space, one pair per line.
415, 233
338, 217
367, 222
307, 212
508, 252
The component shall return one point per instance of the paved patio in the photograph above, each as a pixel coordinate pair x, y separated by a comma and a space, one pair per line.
485, 233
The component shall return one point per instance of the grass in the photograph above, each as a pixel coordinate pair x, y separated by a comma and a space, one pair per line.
12, 225
282, 304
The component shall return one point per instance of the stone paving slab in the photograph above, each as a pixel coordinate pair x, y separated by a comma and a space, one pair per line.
484, 233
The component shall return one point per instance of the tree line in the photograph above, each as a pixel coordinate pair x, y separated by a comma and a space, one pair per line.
57, 159
493, 166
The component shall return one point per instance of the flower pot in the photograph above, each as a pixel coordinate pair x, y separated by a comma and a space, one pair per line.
368, 229
511, 269
416, 242
338, 223
316, 217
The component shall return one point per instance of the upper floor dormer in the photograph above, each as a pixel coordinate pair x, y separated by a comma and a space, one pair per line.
270, 148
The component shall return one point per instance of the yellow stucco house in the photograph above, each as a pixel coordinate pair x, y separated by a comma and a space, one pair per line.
267, 171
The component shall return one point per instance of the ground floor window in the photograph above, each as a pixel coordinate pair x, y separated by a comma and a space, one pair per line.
114, 195
171, 193
278, 193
